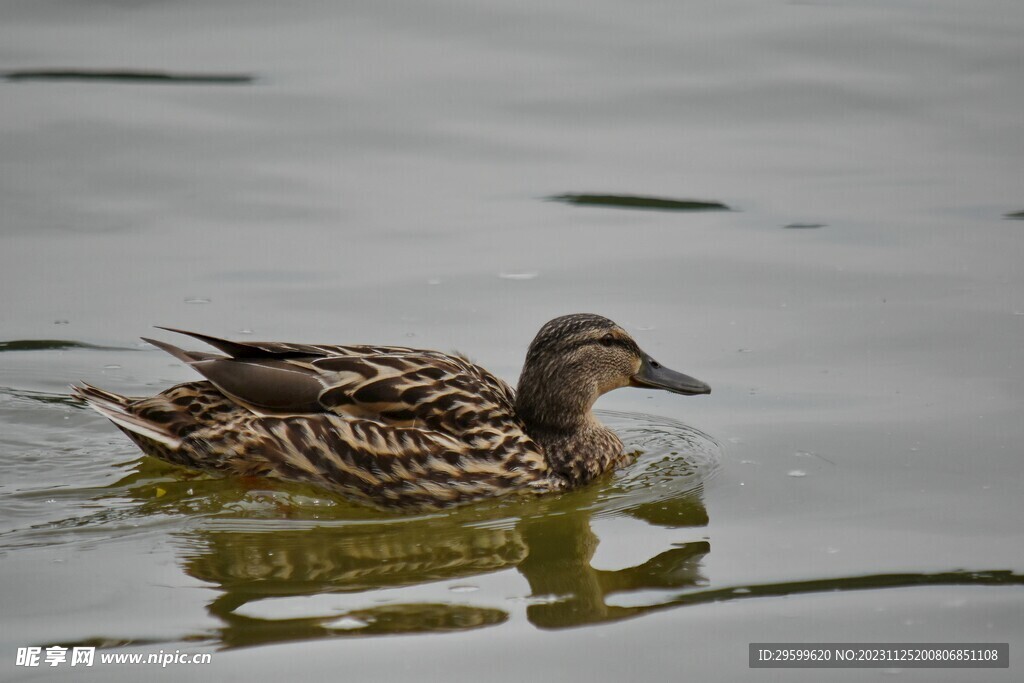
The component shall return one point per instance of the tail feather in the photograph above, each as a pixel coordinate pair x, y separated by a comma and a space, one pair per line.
89, 393
117, 409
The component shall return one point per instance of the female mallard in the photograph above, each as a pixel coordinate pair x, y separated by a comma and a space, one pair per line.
396, 427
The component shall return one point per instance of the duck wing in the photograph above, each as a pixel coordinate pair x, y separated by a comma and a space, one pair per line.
418, 388
281, 350
395, 385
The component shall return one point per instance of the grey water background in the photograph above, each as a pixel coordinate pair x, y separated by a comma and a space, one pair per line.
384, 177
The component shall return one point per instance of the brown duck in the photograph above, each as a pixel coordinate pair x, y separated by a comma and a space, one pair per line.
395, 427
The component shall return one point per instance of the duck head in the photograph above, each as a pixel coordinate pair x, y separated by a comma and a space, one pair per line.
575, 359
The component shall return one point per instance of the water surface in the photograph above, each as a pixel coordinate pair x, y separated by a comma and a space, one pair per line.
384, 178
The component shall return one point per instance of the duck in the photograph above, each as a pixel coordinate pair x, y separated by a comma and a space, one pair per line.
391, 427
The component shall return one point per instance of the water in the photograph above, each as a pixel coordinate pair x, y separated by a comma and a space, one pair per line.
381, 173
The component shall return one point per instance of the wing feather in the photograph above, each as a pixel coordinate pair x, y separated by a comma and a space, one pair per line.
396, 386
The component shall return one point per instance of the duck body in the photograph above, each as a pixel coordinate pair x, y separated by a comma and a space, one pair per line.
391, 427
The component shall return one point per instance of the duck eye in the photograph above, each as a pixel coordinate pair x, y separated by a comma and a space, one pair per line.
608, 339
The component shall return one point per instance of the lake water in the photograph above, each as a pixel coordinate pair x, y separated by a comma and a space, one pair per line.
380, 172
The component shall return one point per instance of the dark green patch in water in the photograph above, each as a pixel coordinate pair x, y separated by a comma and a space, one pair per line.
53, 345
621, 201
129, 76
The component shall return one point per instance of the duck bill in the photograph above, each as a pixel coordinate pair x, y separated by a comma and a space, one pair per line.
656, 376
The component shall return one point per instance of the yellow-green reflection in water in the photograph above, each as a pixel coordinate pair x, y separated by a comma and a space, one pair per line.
272, 553
285, 563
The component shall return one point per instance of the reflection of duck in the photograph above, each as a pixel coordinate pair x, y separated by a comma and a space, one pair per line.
397, 427
251, 567
550, 546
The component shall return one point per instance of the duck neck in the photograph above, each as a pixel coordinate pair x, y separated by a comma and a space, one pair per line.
554, 406
558, 417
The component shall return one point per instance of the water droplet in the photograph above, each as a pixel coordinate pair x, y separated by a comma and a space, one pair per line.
528, 275
112, 366
198, 300
245, 330
797, 473
464, 588
346, 624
